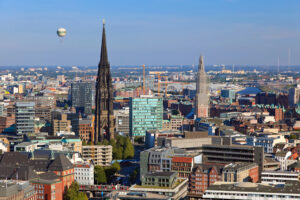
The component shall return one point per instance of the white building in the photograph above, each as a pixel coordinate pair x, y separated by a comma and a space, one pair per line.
266, 141
278, 177
255, 191
284, 159
84, 173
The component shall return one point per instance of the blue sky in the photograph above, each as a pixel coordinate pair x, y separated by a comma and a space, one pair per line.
151, 32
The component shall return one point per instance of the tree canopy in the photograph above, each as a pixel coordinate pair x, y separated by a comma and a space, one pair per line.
73, 193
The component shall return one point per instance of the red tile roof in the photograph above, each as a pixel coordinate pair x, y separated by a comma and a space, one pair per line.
182, 159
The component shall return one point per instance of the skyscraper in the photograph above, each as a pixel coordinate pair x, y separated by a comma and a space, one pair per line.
25, 114
82, 96
104, 116
294, 96
202, 98
145, 113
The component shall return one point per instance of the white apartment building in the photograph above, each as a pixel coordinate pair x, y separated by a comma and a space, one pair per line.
84, 173
253, 191
278, 177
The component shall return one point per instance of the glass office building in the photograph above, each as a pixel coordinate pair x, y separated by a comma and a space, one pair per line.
146, 113
25, 114
82, 96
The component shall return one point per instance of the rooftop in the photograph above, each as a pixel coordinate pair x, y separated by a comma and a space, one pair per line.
291, 187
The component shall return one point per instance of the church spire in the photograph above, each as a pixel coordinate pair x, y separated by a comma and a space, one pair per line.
103, 55
201, 64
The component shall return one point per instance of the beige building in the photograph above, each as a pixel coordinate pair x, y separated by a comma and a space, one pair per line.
240, 172
176, 122
61, 125
100, 154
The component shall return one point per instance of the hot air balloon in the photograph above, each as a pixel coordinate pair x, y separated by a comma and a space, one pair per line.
61, 32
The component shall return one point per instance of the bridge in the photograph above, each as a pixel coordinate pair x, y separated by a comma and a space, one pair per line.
99, 191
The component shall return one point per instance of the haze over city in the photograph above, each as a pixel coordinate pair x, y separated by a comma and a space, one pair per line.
169, 32
152, 100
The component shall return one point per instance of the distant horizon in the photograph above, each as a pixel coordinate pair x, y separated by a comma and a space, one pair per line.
139, 32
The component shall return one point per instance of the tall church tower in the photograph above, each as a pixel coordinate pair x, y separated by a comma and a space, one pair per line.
202, 98
104, 116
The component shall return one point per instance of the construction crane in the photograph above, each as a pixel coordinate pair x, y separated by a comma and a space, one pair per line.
144, 80
158, 79
166, 84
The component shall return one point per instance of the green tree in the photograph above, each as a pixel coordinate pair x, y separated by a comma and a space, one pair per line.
105, 142
66, 107
133, 175
112, 170
116, 166
139, 139
120, 140
100, 175
118, 153
128, 149
293, 137
72, 193
84, 143
175, 112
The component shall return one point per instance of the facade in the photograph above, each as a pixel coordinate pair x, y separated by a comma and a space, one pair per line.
146, 113
121, 195
43, 113
176, 122
48, 186
48, 174
25, 114
253, 191
61, 125
83, 128
202, 96
156, 159
202, 176
82, 97
240, 172
63, 168
164, 183
104, 116
266, 141
122, 122
182, 165
12, 190
234, 153
294, 96
228, 94
278, 177
84, 173
100, 154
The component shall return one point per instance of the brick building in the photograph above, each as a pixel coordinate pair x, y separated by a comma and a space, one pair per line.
49, 174
202, 176
182, 165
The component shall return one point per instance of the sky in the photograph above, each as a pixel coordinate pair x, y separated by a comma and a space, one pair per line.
151, 32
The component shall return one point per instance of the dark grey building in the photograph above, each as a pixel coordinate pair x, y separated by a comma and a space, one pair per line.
82, 96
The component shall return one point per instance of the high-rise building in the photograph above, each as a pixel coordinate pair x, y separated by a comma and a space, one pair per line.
294, 96
61, 125
146, 113
82, 97
104, 116
122, 122
25, 114
202, 98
